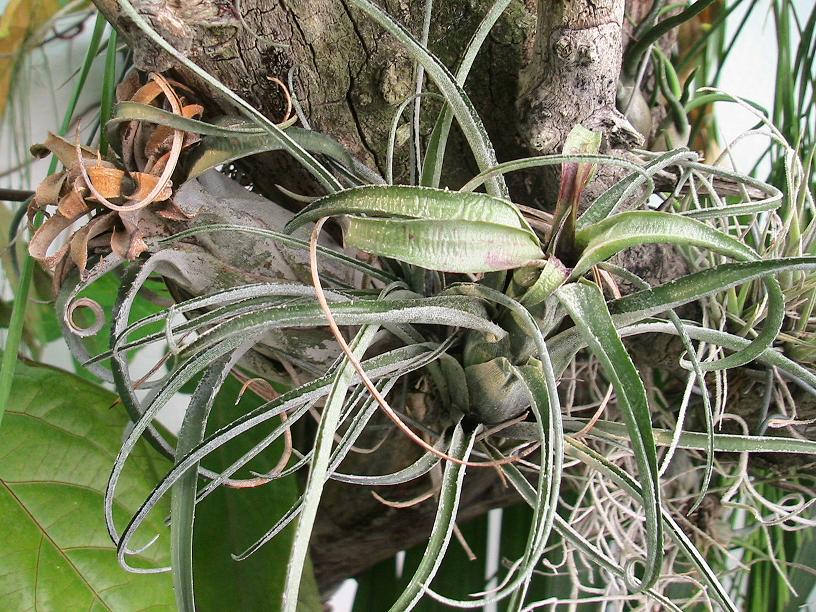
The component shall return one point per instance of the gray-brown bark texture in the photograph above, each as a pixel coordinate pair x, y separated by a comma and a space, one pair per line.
546, 66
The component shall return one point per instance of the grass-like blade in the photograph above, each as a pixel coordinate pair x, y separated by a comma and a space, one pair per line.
318, 471
15, 327
108, 90
182, 502
587, 308
602, 240
435, 151
460, 447
460, 104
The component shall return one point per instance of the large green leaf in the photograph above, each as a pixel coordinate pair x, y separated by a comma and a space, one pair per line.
59, 439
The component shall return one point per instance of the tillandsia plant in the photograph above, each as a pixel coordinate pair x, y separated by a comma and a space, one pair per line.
452, 321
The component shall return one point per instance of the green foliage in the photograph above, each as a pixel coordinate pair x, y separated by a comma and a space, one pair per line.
15, 328
59, 438
459, 298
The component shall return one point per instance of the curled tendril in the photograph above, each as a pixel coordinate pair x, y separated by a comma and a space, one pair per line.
169, 168
96, 310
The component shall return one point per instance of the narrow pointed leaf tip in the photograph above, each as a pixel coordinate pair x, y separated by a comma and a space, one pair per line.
575, 176
587, 308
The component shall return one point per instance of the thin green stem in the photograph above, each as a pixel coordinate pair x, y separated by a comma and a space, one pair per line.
15, 329
108, 92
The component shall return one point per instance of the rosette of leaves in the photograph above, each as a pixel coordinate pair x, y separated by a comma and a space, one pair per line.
478, 305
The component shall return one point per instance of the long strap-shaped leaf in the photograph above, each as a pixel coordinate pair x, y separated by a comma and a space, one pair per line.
183, 499
606, 203
602, 240
643, 304
538, 161
694, 440
295, 403
566, 344
445, 521
412, 202
587, 307
451, 311
708, 416
460, 104
318, 472
648, 302
230, 138
435, 151
448, 246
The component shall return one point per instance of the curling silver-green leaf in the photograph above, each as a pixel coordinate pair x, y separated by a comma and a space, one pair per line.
459, 103
602, 240
405, 201
585, 304
444, 524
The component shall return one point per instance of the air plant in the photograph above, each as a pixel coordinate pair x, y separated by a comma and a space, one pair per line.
485, 303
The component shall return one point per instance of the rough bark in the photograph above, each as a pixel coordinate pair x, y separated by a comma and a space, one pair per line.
351, 75
572, 76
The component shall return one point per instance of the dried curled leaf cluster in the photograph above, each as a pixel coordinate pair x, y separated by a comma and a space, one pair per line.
120, 195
